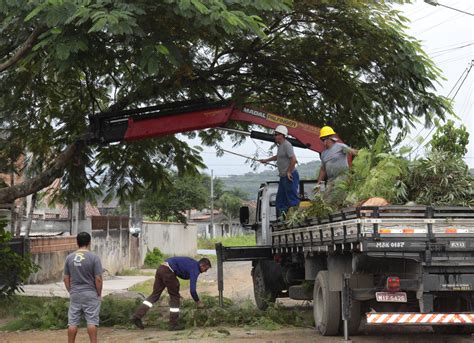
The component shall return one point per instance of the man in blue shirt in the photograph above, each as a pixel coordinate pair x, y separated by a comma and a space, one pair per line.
166, 277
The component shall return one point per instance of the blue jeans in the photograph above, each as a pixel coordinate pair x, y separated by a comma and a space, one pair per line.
287, 195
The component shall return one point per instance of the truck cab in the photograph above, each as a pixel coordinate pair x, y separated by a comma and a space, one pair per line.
266, 214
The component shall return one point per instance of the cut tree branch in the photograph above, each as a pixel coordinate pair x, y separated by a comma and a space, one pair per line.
23, 50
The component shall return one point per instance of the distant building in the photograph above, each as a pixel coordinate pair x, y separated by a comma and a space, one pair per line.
221, 228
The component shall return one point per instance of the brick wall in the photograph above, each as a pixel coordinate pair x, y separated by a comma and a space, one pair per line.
52, 244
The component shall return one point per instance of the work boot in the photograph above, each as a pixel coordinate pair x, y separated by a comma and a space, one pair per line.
137, 322
176, 327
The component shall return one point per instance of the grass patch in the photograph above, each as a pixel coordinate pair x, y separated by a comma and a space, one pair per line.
135, 272
236, 241
51, 313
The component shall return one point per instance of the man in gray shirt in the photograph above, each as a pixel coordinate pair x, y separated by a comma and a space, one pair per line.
83, 280
334, 162
287, 195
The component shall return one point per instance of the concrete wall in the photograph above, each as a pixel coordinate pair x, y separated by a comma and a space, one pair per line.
171, 238
50, 253
112, 248
51, 266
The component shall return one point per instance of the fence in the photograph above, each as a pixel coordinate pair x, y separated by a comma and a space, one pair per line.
17, 245
109, 222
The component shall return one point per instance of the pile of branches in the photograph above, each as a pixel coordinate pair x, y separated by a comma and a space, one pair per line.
441, 178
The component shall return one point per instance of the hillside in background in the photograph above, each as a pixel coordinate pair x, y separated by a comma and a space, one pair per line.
250, 182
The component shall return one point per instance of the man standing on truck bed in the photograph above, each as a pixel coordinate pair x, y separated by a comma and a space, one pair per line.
334, 163
166, 277
287, 195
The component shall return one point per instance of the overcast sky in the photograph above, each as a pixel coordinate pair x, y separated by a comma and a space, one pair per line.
446, 35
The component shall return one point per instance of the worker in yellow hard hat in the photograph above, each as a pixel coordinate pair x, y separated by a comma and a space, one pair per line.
334, 162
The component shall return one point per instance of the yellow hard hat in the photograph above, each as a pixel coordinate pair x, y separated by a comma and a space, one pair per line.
326, 131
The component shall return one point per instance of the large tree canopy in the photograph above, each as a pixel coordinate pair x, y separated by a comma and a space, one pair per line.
344, 63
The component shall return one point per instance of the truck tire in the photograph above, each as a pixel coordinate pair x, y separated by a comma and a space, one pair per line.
267, 283
326, 306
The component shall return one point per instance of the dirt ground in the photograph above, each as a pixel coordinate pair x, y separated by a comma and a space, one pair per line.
237, 286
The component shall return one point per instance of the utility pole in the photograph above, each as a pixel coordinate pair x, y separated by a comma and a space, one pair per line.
212, 202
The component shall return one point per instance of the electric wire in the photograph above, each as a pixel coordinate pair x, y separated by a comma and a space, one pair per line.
454, 96
452, 89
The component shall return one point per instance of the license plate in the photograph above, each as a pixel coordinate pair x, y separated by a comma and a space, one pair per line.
391, 297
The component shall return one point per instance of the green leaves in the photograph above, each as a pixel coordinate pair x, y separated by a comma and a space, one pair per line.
448, 138
14, 269
441, 179
36, 10
346, 63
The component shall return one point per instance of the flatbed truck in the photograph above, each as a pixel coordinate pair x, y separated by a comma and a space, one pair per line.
385, 265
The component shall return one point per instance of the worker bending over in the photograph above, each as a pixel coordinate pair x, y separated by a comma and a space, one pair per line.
287, 195
166, 277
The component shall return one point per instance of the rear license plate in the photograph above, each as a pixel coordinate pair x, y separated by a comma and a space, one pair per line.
391, 297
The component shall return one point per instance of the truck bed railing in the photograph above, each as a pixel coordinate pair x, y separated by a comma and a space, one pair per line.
383, 228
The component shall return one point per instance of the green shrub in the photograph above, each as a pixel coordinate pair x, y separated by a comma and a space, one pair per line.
14, 268
154, 258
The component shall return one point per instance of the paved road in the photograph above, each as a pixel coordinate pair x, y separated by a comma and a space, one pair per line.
113, 285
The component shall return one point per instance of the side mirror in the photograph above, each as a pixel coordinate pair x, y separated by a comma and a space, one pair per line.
244, 215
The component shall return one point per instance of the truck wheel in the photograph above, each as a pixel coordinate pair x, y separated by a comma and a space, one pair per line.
266, 283
326, 306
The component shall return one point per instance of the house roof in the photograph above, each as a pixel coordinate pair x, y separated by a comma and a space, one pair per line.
62, 212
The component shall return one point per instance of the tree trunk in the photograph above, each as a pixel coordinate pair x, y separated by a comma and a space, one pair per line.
30, 215
44, 179
231, 231
19, 220
12, 210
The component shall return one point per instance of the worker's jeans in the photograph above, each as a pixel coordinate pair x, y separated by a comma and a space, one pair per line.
287, 195
164, 278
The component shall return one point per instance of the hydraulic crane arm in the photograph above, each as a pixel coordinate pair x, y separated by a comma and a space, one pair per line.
177, 117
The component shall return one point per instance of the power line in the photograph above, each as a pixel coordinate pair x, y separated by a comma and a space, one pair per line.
435, 50
442, 52
454, 96
423, 128
467, 74
438, 24
454, 59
